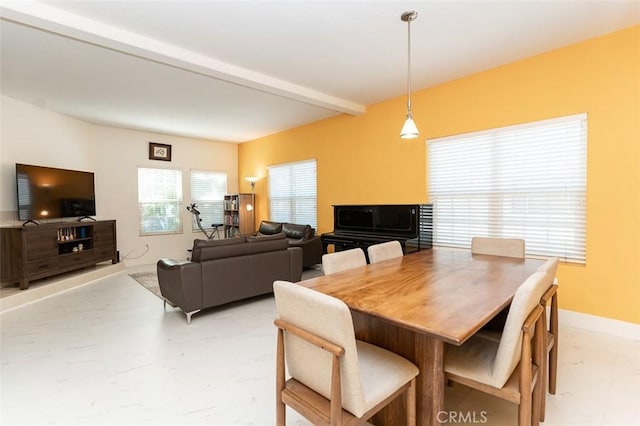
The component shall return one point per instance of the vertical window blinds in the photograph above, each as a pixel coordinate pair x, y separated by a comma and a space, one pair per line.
526, 181
292, 193
159, 201
207, 191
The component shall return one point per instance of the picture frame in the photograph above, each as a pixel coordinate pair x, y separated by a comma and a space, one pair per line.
159, 151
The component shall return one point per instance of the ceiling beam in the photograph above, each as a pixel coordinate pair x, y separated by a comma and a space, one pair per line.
50, 19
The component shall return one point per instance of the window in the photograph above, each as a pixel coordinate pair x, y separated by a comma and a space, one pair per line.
207, 191
160, 201
526, 181
292, 193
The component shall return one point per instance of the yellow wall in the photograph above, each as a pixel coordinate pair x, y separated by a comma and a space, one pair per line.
362, 159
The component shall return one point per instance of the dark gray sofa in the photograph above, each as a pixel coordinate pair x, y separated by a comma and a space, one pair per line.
303, 236
223, 271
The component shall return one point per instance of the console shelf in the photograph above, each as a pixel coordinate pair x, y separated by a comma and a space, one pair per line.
34, 252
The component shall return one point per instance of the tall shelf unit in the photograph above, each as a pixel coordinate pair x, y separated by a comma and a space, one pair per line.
238, 214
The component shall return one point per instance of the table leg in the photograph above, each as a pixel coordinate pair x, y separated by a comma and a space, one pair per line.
429, 358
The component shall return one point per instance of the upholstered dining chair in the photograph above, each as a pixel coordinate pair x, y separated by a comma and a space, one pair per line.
550, 298
510, 368
342, 260
384, 251
335, 378
507, 247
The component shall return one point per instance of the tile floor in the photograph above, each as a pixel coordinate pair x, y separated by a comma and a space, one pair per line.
108, 354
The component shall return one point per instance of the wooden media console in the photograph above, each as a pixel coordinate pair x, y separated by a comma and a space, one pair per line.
32, 252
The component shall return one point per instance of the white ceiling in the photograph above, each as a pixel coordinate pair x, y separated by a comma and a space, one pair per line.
238, 70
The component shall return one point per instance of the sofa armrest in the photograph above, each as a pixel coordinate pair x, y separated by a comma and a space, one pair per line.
181, 283
312, 250
295, 264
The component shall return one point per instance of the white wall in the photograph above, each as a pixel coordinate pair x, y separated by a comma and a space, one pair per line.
38, 136
34, 135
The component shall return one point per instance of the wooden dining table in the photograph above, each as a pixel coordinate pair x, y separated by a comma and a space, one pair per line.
415, 304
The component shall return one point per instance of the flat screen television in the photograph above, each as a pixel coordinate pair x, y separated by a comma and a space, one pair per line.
49, 193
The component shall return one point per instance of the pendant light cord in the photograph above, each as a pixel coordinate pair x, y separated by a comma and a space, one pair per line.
409, 67
409, 129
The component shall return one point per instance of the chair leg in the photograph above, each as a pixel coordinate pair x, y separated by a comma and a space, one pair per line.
537, 403
281, 413
411, 403
527, 358
553, 366
553, 355
336, 392
541, 383
524, 411
281, 419
543, 395
524, 408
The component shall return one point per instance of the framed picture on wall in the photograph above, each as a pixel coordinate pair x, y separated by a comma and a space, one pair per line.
159, 151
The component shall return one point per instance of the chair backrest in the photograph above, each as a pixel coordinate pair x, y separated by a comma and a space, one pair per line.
527, 297
507, 247
384, 251
327, 317
342, 260
550, 267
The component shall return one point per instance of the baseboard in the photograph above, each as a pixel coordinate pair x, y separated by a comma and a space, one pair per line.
609, 326
45, 288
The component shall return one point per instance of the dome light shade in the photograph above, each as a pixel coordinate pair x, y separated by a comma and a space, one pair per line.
409, 129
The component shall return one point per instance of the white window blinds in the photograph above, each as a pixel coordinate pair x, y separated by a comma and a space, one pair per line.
292, 193
526, 181
160, 201
207, 191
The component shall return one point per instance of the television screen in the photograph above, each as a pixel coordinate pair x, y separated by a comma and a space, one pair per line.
48, 193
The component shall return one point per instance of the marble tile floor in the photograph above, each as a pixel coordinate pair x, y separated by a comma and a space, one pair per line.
108, 354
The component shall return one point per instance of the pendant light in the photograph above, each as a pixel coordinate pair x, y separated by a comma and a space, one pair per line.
409, 129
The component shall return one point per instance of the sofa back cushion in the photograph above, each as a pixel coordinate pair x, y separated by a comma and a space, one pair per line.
270, 228
263, 238
297, 232
201, 247
264, 243
219, 249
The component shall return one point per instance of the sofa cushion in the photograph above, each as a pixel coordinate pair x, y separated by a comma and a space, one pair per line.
241, 248
263, 243
297, 232
261, 238
200, 246
270, 228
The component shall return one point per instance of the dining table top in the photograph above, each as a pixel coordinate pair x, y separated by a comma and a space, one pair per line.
448, 294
